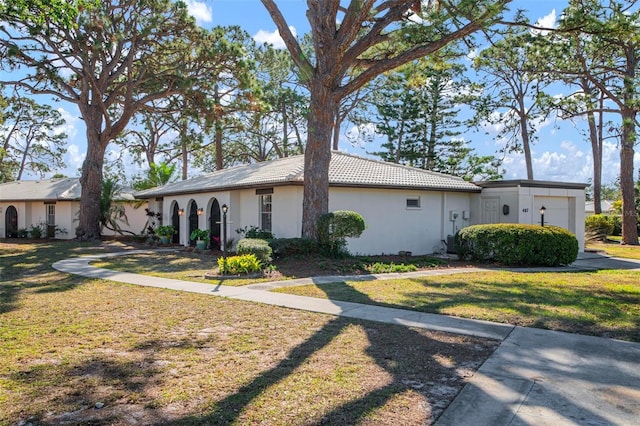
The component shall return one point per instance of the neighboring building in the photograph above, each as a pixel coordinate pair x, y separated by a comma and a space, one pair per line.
54, 203
404, 208
605, 205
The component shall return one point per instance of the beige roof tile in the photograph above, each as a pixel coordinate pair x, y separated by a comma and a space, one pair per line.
48, 190
344, 170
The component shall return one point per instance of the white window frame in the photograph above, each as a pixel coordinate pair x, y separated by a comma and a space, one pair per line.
51, 214
264, 201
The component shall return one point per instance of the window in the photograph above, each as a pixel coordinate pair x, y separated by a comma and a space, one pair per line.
413, 203
265, 212
51, 214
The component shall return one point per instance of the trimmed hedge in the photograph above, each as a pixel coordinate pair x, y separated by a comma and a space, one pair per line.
259, 248
513, 244
285, 247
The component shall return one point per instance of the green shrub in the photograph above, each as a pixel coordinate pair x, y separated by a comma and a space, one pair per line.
335, 227
165, 231
383, 268
598, 227
513, 244
617, 224
259, 248
287, 247
243, 264
35, 231
255, 232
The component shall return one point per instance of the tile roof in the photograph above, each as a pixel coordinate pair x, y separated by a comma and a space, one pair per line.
344, 170
64, 189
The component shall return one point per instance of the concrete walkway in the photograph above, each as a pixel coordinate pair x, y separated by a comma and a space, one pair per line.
535, 377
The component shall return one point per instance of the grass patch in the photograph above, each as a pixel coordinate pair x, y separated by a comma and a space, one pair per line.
193, 266
603, 303
158, 356
179, 265
616, 249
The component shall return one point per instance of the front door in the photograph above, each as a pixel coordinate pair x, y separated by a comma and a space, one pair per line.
214, 225
11, 222
175, 221
193, 220
490, 210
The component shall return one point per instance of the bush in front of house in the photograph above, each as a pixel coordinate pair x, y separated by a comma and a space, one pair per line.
335, 227
514, 244
598, 227
241, 264
255, 232
289, 247
616, 220
259, 248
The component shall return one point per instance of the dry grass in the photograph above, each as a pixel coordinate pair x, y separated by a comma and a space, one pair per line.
153, 356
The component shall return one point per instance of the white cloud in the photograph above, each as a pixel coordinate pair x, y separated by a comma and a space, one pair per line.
568, 164
548, 21
74, 159
71, 124
200, 11
273, 38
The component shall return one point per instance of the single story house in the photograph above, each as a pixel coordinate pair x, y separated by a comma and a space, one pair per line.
54, 203
404, 208
605, 205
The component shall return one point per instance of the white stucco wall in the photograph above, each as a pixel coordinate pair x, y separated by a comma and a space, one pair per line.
136, 217
564, 207
392, 227
66, 217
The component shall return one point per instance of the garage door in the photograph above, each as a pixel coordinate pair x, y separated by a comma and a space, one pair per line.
557, 212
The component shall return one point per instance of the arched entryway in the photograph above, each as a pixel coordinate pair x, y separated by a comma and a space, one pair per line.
193, 220
11, 222
175, 221
214, 225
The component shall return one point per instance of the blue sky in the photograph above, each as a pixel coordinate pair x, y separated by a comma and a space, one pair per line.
561, 154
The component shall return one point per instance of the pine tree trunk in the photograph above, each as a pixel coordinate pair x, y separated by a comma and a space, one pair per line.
218, 140
336, 132
629, 219
524, 132
317, 158
596, 152
91, 181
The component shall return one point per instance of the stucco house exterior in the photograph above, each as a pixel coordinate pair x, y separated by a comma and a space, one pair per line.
404, 208
54, 203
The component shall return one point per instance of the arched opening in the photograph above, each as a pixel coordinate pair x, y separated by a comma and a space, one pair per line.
175, 221
11, 222
193, 220
214, 225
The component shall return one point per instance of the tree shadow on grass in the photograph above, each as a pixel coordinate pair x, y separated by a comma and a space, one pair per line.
572, 308
413, 365
31, 270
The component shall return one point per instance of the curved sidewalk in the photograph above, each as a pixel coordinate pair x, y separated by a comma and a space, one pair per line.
81, 266
535, 377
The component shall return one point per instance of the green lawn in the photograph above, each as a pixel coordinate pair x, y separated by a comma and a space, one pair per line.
616, 249
155, 356
604, 303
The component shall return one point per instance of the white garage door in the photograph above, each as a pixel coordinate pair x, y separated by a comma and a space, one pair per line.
557, 212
